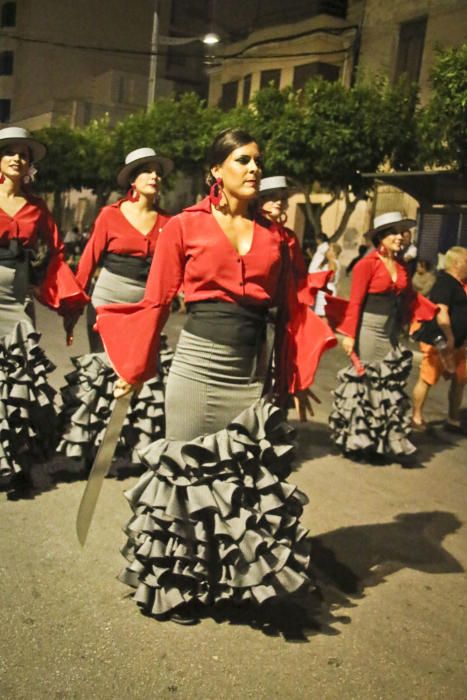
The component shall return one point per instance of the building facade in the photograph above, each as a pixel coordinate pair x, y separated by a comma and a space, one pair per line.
81, 60
339, 41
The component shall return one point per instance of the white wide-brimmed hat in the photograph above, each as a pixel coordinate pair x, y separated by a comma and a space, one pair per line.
16, 134
393, 220
138, 157
270, 184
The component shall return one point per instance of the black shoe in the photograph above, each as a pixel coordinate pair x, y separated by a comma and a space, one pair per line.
184, 614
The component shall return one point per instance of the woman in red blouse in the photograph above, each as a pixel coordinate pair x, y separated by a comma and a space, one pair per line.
370, 419
26, 404
122, 243
214, 518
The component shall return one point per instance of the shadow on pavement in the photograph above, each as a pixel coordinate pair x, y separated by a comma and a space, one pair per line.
314, 442
344, 563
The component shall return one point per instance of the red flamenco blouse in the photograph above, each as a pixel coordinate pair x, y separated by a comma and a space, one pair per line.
194, 251
31, 224
113, 233
371, 276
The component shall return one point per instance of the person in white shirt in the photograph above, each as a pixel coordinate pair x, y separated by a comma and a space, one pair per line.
319, 255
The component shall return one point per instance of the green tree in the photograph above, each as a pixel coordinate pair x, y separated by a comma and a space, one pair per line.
325, 136
61, 168
101, 154
443, 123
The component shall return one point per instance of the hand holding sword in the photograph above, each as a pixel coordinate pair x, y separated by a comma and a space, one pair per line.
123, 393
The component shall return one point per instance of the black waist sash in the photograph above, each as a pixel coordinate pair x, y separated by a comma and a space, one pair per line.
128, 266
15, 257
231, 324
226, 323
386, 304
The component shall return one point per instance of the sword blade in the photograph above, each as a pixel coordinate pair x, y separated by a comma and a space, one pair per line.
101, 466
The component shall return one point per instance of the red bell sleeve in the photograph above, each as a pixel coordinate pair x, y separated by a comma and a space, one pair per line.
301, 336
131, 332
59, 290
361, 277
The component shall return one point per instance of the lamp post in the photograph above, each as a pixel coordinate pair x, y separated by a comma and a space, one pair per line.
153, 57
209, 39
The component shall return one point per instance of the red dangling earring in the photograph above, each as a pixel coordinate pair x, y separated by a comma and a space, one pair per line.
382, 250
2, 178
132, 195
216, 192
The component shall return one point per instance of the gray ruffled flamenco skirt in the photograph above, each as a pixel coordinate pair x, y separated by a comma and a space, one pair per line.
87, 402
27, 414
371, 413
87, 397
214, 518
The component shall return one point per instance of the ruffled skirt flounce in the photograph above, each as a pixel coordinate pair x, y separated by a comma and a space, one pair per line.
27, 414
214, 518
87, 402
371, 414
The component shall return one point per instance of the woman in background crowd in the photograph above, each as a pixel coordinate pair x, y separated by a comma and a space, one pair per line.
370, 418
27, 415
123, 241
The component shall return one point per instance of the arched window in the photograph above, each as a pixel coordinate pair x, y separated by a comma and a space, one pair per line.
8, 14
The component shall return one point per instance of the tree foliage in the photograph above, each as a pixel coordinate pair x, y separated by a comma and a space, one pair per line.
327, 135
322, 137
443, 124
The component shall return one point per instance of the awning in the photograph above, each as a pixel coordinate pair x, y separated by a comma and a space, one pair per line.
439, 187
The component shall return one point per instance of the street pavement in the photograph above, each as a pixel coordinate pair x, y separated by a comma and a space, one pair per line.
389, 550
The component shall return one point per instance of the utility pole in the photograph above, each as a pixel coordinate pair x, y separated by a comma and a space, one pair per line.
153, 58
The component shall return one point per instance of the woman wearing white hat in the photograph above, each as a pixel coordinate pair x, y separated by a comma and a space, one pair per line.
26, 400
214, 519
370, 418
122, 241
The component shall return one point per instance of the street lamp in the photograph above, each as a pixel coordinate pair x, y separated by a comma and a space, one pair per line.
209, 39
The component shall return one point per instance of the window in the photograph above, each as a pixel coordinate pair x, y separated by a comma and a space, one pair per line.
307, 71
5, 110
6, 62
270, 76
246, 89
229, 95
8, 14
410, 49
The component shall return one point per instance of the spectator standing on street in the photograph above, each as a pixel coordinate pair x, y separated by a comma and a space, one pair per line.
318, 256
27, 426
123, 241
424, 278
370, 418
409, 252
449, 293
330, 262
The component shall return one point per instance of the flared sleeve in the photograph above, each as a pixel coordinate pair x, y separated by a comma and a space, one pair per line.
302, 337
59, 289
131, 332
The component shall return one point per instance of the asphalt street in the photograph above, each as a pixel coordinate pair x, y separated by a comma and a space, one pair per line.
390, 551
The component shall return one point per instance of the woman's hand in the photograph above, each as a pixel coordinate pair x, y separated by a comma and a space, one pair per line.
348, 345
122, 388
303, 405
